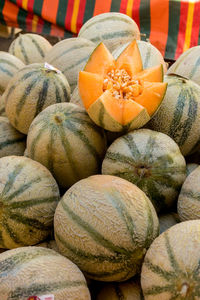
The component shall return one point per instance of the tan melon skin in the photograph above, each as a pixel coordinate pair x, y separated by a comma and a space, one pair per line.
48, 268
191, 167
168, 220
91, 199
49, 244
188, 200
182, 243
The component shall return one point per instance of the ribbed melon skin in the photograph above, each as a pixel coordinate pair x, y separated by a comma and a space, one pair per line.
150, 55
30, 48
30, 91
9, 65
179, 113
28, 198
70, 56
2, 106
189, 197
188, 65
171, 265
67, 142
12, 142
31, 271
75, 98
51, 244
168, 220
112, 28
104, 224
152, 161
191, 167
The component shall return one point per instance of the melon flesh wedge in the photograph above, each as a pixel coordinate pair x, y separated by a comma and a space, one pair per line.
154, 74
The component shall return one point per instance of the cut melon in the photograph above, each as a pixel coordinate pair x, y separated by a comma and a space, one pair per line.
119, 95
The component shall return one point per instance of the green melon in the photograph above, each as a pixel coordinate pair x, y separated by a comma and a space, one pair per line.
9, 65
171, 265
152, 161
179, 113
70, 56
31, 90
104, 224
189, 197
188, 65
191, 167
37, 271
67, 142
168, 220
112, 28
28, 198
12, 142
30, 48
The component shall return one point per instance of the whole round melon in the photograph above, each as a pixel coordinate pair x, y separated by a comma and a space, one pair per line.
67, 142
129, 290
168, 220
189, 197
191, 167
188, 65
171, 265
150, 55
152, 161
28, 198
12, 142
37, 271
111, 28
75, 97
179, 113
105, 224
30, 48
31, 90
9, 65
70, 56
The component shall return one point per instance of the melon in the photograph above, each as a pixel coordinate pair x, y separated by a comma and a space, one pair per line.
28, 198
189, 197
31, 90
129, 290
67, 142
168, 220
37, 271
191, 167
105, 224
70, 56
150, 55
30, 48
152, 161
12, 142
171, 265
51, 244
179, 113
75, 98
118, 94
112, 28
188, 65
2, 106
9, 65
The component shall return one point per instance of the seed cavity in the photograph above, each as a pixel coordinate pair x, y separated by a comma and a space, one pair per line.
58, 119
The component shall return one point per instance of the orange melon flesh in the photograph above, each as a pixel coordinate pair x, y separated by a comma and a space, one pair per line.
152, 95
90, 87
131, 110
113, 106
154, 74
100, 61
130, 59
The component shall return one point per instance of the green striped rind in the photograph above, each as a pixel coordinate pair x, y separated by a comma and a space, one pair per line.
30, 48
188, 65
105, 202
70, 56
65, 281
189, 197
72, 145
168, 273
179, 113
30, 91
12, 142
27, 190
152, 161
113, 29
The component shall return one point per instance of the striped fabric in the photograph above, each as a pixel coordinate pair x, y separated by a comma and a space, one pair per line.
172, 26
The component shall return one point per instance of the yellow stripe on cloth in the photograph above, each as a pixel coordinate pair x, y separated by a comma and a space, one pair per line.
75, 16
188, 32
34, 23
25, 4
129, 8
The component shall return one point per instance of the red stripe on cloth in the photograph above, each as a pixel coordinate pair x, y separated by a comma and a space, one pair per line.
30, 5
49, 10
195, 25
19, 2
136, 12
57, 31
68, 16
102, 7
40, 25
123, 6
29, 19
182, 28
81, 14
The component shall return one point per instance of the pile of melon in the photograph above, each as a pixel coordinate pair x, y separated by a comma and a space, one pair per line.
99, 167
